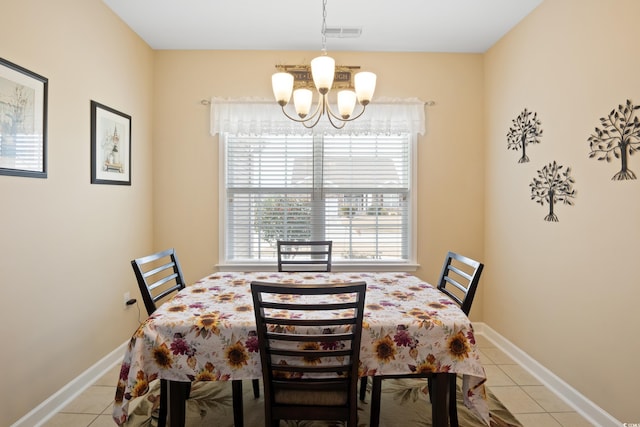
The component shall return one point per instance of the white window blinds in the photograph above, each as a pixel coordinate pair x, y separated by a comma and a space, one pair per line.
353, 190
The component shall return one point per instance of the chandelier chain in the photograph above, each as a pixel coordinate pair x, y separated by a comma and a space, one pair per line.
324, 27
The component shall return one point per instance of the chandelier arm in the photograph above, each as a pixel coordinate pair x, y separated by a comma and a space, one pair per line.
326, 109
350, 119
306, 124
306, 119
317, 114
342, 122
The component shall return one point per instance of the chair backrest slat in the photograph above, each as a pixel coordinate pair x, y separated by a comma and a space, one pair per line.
159, 283
293, 306
311, 337
158, 269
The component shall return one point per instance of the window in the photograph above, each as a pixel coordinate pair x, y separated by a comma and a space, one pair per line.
355, 190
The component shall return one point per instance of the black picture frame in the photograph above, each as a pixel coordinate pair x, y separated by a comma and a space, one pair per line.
23, 121
110, 145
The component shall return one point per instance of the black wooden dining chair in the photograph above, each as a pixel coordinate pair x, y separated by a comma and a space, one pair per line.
309, 349
159, 276
458, 280
304, 256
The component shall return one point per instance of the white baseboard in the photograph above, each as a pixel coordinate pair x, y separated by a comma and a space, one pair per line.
47, 409
564, 391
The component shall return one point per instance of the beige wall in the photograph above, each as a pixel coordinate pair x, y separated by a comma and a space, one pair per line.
566, 293
450, 155
65, 243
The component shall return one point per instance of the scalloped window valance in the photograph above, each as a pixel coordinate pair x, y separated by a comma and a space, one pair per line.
259, 117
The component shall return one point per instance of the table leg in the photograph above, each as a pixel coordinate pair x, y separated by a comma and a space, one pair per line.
439, 400
178, 395
256, 388
236, 392
376, 390
363, 388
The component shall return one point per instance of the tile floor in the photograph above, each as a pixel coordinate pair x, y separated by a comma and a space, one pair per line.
531, 402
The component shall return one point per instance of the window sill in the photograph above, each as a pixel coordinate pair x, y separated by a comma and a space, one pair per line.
335, 267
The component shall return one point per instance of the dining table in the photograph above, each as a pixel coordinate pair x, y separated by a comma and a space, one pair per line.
207, 332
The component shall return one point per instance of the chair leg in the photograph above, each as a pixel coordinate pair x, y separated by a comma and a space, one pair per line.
164, 402
376, 390
236, 392
363, 388
453, 404
353, 415
256, 388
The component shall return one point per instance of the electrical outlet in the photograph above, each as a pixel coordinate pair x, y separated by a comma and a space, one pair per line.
127, 297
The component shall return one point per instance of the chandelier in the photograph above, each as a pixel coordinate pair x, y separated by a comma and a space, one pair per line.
322, 72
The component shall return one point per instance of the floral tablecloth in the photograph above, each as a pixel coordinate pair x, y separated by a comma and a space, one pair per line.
207, 332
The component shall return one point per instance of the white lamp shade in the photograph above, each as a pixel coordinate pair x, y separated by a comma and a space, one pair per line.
302, 100
346, 103
365, 83
322, 70
282, 84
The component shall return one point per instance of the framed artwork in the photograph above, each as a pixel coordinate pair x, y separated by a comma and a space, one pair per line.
23, 121
110, 146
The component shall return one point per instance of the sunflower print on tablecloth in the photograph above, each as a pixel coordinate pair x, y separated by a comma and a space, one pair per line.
385, 349
162, 356
236, 355
458, 346
208, 324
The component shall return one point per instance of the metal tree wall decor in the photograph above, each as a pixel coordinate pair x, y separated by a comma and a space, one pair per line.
553, 186
620, 135
525, 130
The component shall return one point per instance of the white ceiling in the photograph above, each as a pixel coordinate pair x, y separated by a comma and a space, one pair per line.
387, 26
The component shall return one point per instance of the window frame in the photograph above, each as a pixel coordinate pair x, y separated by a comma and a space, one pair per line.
410, 264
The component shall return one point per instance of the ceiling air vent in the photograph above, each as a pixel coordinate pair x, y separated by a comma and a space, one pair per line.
342, 32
